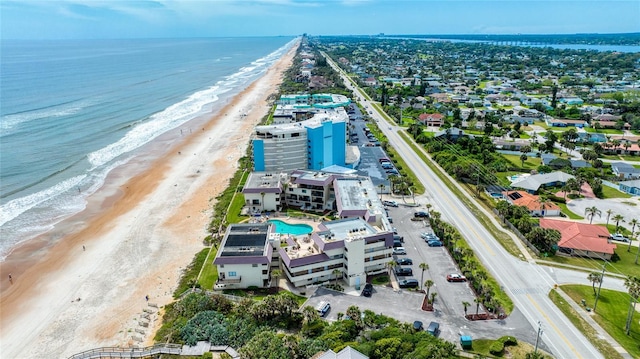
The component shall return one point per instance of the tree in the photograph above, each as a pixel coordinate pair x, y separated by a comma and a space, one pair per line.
523, 158
309, 314
381, 189
618, 218
336, 273
554, 96
265, 344
633, 287
424, 267
433, 297
428, 283
390, 266
262, 201
633, 224
594, 277
465, 305
609, 213
478, 301
591, 212
276, 273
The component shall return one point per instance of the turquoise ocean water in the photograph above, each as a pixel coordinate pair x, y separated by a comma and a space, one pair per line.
74, 110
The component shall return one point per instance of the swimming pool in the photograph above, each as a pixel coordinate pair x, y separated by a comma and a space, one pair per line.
287, 228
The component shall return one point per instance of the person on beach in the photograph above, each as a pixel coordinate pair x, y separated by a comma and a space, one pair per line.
146, 297
10, 278
83, 248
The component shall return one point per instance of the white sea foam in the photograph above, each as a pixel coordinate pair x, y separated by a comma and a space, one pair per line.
15, 207
8, 123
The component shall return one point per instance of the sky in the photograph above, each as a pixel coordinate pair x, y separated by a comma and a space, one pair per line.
95, 19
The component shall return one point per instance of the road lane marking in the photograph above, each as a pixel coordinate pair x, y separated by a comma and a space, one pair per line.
557, 330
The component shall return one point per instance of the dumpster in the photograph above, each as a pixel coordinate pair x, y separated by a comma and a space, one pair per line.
466, 341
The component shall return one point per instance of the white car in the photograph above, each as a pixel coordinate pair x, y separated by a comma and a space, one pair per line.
399, 250
619, 237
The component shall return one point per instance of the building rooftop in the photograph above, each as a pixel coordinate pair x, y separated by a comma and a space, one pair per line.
245, 240
357, 196
267, 182
347, 229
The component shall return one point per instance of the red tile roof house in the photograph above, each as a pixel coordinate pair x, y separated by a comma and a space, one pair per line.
581, 239
532, 203
432, 119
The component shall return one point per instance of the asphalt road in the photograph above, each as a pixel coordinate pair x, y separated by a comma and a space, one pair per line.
526, 283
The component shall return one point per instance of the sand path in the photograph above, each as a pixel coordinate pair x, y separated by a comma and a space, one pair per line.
65, 299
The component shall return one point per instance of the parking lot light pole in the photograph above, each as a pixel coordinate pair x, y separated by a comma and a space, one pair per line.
599, 286
535, 350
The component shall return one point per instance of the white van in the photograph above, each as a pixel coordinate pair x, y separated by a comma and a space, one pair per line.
322, 308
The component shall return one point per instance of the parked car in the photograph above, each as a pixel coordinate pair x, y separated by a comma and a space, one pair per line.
434, 243
390, 219
323, 308
433, 328
398, 238
404, 261
619, 237
455, 277
397, 243
399, 250
408, 283
382, 160
421, 214
367, 290
392, 172
404, 271
429, 236
417, 325
390, 203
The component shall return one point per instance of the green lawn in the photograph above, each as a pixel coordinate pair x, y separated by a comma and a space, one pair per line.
624, 266
574, 317
608, 131
233, 216
609, 192
567, 211
209, 274
530, 164
541, 124
611, 314
524, 136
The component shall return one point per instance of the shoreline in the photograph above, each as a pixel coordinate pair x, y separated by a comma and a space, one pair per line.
86, 288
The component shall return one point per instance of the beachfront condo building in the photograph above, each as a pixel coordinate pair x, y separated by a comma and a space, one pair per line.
352, 247
308, 132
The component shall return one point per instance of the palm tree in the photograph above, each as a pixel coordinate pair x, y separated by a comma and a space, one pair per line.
428, 205
465, 305
544, 202
633, 224
262, 202
480, 188
276, 273
591, 212
433, 297
523, 158
609, 212
428, 283
381, 189
390, 266
478, 301
424, 267
633, 286
336, 273
309, 313
594, 277
618, 218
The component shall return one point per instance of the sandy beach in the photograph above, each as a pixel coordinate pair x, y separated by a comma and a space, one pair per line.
86, 288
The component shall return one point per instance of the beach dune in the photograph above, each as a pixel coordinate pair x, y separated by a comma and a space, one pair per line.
85, 284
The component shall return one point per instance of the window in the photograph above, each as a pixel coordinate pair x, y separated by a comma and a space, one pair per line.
254, 265
232, 274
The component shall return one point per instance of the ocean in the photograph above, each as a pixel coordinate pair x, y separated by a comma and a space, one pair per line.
71, 111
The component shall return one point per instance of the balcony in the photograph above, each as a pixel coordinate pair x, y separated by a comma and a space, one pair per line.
234, 280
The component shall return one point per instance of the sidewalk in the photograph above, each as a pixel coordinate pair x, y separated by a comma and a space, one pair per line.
601, 332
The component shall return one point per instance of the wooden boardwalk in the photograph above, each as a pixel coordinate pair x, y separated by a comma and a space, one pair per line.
176, 349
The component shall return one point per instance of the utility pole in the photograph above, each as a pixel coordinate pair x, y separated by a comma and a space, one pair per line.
535, 350
599, 287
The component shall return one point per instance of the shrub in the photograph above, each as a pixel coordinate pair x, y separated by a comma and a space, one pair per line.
496, 348
508, 340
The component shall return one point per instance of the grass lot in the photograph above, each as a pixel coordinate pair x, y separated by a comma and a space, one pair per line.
233, 216
524, 136
190, 274
530, 164
624, 266
608, 131
623, 157
574, 317
611, 314
209, 274
567, 211
474, 132
541, 124
260, 294
609, 192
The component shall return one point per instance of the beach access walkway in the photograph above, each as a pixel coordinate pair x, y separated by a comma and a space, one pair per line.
176, 349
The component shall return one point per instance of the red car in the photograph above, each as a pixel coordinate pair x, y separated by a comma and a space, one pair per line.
454, 277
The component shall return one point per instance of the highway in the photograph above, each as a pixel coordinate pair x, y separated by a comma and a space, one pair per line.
526, 282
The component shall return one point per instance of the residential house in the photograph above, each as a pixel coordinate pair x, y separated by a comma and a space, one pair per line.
631, 187
510, 145
532, 203
532, 183
432, 119
451, 134
581, 239
346, 353
625, 171
557, 122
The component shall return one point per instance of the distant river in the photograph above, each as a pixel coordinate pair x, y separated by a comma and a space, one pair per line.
616, 48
